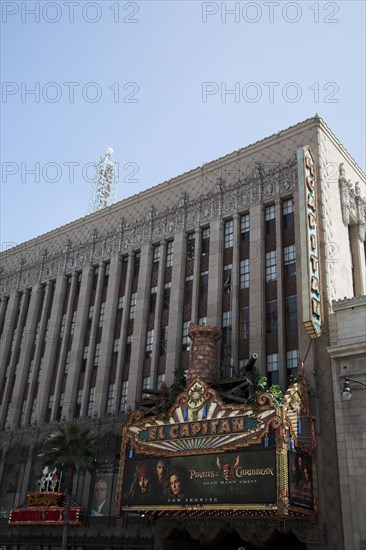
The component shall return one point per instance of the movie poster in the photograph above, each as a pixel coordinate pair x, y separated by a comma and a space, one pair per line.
102, 490
300, 480
216, 479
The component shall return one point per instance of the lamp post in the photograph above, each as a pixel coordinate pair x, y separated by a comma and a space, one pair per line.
347, 392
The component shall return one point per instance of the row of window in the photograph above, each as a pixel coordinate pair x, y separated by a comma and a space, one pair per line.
270, 223
289, 263
271, 317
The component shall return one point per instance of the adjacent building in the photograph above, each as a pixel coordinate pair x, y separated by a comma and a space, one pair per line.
260, 243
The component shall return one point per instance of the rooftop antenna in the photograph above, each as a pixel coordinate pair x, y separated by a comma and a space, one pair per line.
104, 188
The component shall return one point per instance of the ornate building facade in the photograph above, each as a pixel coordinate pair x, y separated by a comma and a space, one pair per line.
97, 311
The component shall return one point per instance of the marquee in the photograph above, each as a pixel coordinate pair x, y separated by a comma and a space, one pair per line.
208, 456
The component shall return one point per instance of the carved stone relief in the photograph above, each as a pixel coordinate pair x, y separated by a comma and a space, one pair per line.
352, 204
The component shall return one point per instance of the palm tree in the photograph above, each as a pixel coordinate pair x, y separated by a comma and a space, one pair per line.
69, 448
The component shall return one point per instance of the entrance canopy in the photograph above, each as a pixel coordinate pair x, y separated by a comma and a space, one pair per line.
208, 457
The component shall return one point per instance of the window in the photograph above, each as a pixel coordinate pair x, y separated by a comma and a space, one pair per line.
30, 372
169, 254
153, 295
85, 352
244, 274
101, 314
229, 234
50, 406
60, 406
73, 323
40, 369
270, 217
205, 243
91, 402
163, 341
271, 271
136, 265
288, 214
186, 341
160, 380
226, 319
146, 383
271, 317
67, 361
188, 290
47, 330
202, 321
204, 285
33, 421
36, 338
166, 296
110, 399
272, 369
116, 345
244, 323
123, 401
243, 363
156, 253
91, 311
227, 278
289, 260
78, 403
292, 357
133, 305
79, 396
62, 327
96, 354
106, 275
128, 349
124, 268
22, 416
244, 227
190, 246
291, 312
121, 301
149, 343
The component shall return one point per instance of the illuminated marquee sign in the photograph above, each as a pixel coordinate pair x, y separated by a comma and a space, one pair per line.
206, 454
201, 428
312, 305
206, 428
43, 508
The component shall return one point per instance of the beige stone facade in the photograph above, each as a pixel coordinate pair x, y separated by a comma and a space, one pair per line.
98, 310
348, 353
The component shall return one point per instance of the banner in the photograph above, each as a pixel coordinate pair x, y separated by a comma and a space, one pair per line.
246, 477
300, 480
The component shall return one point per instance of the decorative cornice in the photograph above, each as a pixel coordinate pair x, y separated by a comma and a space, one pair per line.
346, 303
73, 253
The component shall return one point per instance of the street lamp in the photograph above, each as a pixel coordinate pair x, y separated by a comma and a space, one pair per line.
347, 392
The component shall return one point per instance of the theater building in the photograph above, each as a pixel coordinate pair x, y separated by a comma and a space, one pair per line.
261, 243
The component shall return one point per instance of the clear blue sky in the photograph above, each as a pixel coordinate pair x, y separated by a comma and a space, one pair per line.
167, 50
